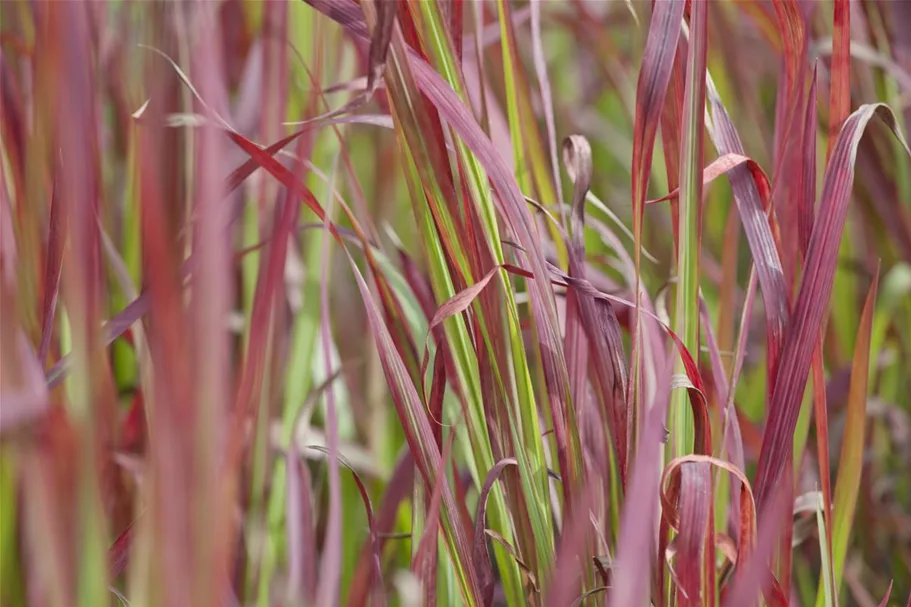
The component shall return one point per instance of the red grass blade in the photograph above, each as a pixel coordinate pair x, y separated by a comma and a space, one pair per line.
885, 601
755, 578
671, 119
806, 201
752, 209
456, 304
721, 166
419, 433
597, 319
651, 89
792, 28
379, 42
480, 553
695, 505
805, 220
424, 563
696, 389
813, 297
568, 563
840, 79
119, 552
671, 492
509, 199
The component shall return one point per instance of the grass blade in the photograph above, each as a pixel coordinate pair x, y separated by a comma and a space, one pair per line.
840, 80
689, 231
813, 297
421, 442
597, 319
300, 528
753, 211
651, 89
695, 507
850, 461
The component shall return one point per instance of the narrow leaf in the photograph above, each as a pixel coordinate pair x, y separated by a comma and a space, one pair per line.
651, 88
420, 439
850, 461
379, 41
481, 555
813, 297
753, 210
840, 79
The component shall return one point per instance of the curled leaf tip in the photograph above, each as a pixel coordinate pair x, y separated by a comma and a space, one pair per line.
577, 156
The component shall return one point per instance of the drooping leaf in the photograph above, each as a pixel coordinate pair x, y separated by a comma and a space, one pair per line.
755, 578
721, 166
813, 297
753, 209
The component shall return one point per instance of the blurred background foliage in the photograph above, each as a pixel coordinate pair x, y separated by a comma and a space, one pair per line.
249, 375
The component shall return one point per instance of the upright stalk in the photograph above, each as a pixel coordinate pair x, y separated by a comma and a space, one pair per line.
686, 321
